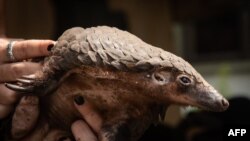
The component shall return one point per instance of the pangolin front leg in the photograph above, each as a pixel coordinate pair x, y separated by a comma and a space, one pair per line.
38, 84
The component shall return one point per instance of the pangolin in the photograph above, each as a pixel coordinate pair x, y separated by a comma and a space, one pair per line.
129, 82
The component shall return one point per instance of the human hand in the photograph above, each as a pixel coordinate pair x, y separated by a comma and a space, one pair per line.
10, 69
83, 130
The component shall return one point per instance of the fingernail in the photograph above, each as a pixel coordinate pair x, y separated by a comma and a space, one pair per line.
50, 47
79, 100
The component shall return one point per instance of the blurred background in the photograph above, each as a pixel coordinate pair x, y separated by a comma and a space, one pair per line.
213, 35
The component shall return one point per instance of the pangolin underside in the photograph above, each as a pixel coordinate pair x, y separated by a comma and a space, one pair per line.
127, 81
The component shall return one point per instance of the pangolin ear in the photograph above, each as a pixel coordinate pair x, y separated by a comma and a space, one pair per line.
161, 77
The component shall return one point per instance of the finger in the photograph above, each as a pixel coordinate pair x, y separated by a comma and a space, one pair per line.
82, 132
88, 113
31, 48
5, 110
7, 96
27, 49
12, 71
39, 133
25, 116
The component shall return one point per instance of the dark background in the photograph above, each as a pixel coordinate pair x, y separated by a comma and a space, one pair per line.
213, 35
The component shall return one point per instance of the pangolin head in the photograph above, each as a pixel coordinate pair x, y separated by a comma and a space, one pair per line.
180, 83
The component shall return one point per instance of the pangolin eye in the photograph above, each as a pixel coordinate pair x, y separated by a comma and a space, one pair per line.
185, 80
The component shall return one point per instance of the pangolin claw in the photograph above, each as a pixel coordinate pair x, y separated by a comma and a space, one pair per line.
19, 88
29, 77
24, 81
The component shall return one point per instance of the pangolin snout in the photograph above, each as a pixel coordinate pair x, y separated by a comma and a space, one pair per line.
219, 105
224, 104
212, 101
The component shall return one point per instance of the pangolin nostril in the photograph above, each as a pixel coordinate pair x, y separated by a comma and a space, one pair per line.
224, 103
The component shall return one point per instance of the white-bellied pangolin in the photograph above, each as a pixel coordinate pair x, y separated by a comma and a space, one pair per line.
128, 81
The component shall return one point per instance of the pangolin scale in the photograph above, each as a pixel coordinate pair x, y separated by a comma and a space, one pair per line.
129, 82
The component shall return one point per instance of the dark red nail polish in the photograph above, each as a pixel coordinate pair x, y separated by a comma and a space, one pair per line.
79, 100
50, 47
